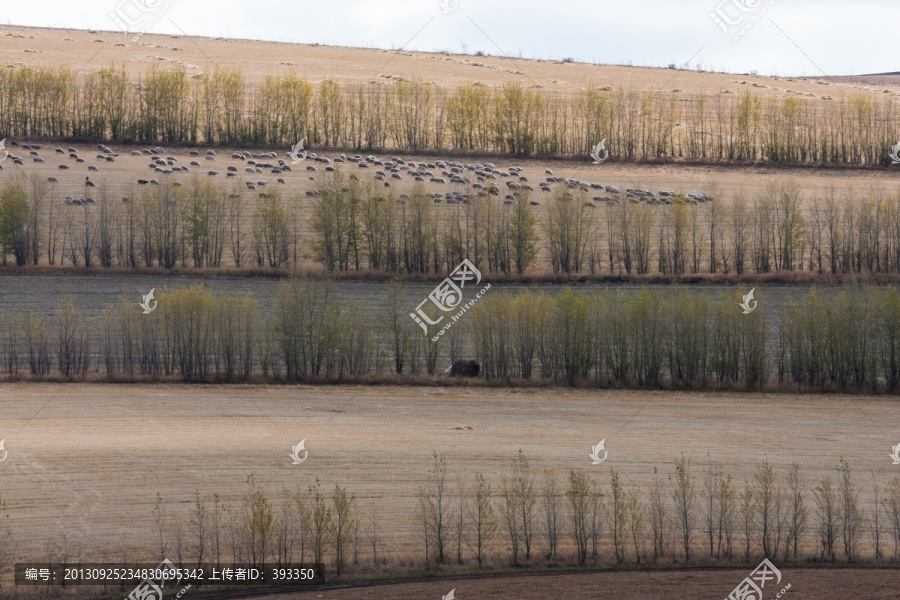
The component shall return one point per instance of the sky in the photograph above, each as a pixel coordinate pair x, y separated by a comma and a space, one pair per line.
770, 37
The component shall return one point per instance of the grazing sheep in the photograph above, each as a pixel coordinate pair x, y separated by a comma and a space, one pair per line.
251, 185
194, 163
88, 182
69, 200
136, 153
280, 180
310, 168
195, 153
79, 160
53, 180
154, 181
125, 200
63, 167
143, 182
93, 169
212, 173
210, 157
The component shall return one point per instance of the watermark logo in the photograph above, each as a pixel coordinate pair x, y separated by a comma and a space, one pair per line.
595, 452
739, 15
5, 453
146, 303
138, 16
598, 149
895, 455
751, 588
449, 6
3, 147
748, 298
148, 589
894, 153
297, 152
450, 595
448, 296
296, 450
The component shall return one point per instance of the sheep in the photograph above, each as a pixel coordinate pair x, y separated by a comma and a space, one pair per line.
88, 182
79, 160
232, 169
212, 173
210, 157
195, 153
136, 153
143, 182
69, 200
53, 180
310, 168
230, 174
154, 181
194, 163
63, 167
60, 151
280, 180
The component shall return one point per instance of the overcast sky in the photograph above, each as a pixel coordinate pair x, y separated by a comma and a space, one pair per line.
784, 37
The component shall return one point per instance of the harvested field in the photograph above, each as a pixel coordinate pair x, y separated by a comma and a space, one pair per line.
90, 459
72, 48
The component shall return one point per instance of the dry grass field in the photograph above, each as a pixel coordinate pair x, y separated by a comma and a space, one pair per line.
90, 459
91, 50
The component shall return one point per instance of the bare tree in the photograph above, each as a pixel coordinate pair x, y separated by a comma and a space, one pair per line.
683, 496
553, 517
483, 520
435, 504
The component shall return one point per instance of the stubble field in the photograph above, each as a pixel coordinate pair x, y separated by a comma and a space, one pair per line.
90, 459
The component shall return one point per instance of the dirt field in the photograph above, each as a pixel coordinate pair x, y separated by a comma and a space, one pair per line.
91, 50
812, 584
92, 458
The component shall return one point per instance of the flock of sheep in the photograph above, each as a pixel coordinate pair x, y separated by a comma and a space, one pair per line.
480, 179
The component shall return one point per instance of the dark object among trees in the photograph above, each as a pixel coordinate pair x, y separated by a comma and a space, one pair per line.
465, 368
